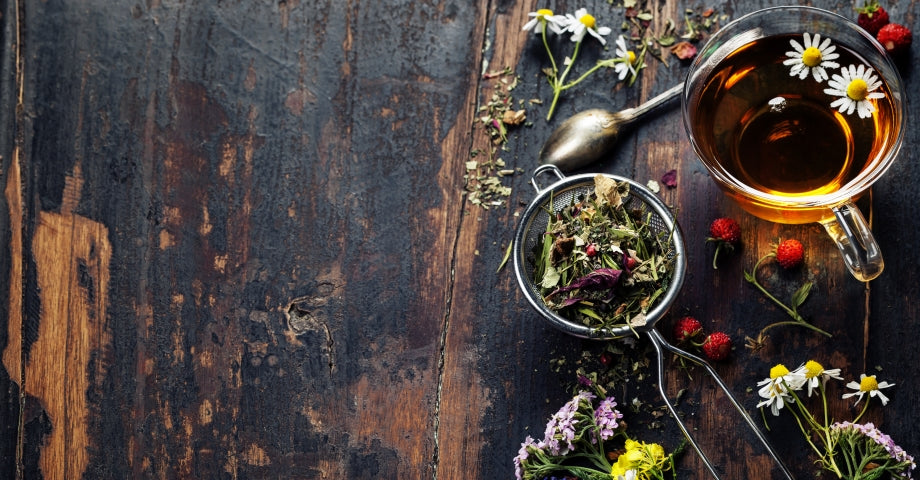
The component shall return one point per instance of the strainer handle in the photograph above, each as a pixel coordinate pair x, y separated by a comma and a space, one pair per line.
543, 169
660, 343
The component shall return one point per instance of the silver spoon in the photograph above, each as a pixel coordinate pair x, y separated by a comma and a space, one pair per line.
587, 135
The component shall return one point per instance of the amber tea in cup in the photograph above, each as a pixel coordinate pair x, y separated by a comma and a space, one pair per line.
795, 112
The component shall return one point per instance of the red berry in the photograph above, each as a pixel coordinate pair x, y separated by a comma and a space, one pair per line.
726, 230
606, 359
726, 233
895, 38
717, 346
591, 250
790, 253
872, 17
686, 328
631, 263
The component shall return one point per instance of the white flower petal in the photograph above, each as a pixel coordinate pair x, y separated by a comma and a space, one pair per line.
880, 395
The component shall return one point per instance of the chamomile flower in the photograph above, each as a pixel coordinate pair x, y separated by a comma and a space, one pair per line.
777, 390
868, 384
812, 56
856, 88
815, 374
583, 22
543, 18
625, 59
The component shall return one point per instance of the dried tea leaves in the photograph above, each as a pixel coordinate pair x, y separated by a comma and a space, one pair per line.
603, 262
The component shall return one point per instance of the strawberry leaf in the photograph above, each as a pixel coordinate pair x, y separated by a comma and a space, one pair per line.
800, 295
749, 276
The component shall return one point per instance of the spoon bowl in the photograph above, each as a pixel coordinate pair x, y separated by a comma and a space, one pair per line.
586, 136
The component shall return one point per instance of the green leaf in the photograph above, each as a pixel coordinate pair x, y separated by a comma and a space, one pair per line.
800, 295
667, 41
550, 277
590, 313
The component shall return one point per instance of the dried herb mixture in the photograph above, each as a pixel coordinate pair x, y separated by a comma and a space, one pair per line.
601, 263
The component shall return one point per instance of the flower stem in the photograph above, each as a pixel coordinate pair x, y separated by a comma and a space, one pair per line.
559, 82
549, 52
865, 407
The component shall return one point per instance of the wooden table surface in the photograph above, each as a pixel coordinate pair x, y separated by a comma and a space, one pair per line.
239, 241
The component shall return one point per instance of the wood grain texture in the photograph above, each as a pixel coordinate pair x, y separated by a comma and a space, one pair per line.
237, 243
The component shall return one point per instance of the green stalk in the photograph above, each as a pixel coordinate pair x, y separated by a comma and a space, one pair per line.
558, 83
799, 320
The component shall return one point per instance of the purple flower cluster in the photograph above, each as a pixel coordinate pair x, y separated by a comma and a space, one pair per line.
869, 431
565, 429
560, 431
607, 418
524, 454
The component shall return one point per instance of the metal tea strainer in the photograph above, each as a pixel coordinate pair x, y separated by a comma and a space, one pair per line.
529, 234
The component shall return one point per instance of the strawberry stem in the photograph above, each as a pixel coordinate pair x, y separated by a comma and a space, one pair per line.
798, 319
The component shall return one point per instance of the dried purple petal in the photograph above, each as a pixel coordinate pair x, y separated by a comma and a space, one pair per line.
669, 179
600, 279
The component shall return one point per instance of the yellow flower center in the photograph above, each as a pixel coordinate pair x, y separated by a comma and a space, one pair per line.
858, 89
779, 370
588, 20
811, 57
544, 13
868, 384
631, 56
813, 369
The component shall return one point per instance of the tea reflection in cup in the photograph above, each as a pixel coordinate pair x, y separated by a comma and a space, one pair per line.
796, 112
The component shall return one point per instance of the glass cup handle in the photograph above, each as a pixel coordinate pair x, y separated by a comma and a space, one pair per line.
851, 233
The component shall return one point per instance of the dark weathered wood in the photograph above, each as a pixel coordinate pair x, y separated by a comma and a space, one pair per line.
237, 243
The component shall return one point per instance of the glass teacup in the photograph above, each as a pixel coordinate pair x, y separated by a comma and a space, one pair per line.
796, 112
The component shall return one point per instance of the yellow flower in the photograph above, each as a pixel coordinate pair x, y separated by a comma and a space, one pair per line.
868, 384
855, 88
776, 390
816, 375
543, 18
583, 22
812, 56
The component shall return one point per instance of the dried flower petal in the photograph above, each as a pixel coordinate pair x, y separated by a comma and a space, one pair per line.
684, 50
669, 179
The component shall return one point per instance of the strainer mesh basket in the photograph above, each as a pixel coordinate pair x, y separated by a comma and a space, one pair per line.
640, 202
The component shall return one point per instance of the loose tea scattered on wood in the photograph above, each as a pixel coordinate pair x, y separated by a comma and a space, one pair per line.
603, 261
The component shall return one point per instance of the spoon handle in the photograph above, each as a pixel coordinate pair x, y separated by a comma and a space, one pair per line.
654, 102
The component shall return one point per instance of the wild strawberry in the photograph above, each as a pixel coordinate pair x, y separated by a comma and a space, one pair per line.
726, 230
790, 253
872, 17
726, 233
686, 329
895, 38
717, 346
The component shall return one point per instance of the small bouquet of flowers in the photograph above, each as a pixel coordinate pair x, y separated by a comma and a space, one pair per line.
849, 450
626, 63
579, 441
